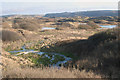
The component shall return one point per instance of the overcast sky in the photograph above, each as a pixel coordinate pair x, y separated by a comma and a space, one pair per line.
58, 0
53, 6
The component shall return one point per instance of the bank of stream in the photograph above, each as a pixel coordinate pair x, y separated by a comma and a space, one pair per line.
45, 58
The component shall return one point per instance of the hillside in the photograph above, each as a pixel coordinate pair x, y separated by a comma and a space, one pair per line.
103, 45
84, 13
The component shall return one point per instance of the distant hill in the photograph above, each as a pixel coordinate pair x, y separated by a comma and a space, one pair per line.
20, 15
85, 13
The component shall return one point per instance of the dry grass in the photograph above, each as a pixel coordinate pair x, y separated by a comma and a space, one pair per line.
47, 73
12, 69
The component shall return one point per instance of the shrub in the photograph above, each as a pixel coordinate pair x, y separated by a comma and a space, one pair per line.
28, 26
66, 20
18, 20
58, 28
93, 25
101, 37
101, 50
5, 24
10, 36
57, 23
109, 52
66, 24
82, 26
15, 26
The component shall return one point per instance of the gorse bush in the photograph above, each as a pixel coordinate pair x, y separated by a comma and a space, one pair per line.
66, 20
18, 20
93, 25
26, 24
89, 25
101, 37
63, 24
10, 36
84, 26
92, 42
6, 24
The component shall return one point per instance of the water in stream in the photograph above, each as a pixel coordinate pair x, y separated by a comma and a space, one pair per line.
48, 28
108, 26
51, 56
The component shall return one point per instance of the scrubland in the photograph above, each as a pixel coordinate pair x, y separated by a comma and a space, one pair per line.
94, 51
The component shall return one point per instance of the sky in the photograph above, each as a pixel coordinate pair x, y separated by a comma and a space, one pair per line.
8, 7
58, 0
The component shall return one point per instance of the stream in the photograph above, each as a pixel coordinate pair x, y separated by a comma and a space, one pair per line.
108, 26
48, 28
55, 59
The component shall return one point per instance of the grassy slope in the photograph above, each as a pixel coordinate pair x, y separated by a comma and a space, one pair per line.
99, 52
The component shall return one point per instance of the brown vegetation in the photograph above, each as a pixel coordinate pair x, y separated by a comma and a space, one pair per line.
10, 36
99, 52
93, 25
6, 25
14, 67
26, 24
88, 25
91, 57
82, 26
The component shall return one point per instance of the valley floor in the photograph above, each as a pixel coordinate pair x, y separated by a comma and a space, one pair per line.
17, 67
